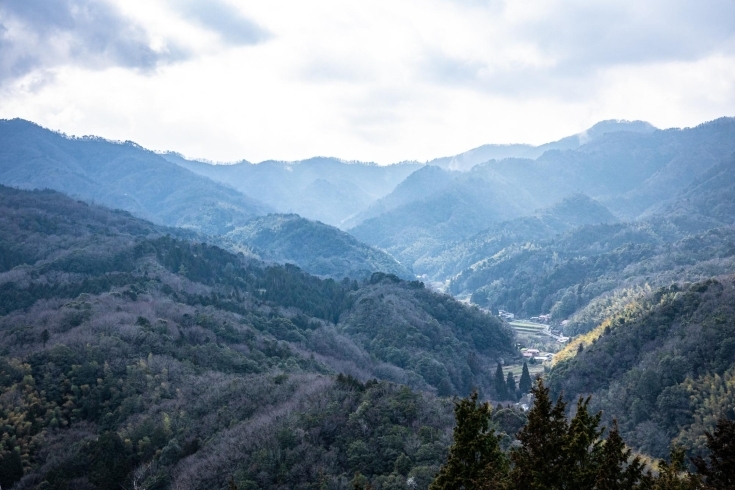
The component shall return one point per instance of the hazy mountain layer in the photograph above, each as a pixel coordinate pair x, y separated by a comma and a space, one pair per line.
632, 174
465, 161
525, 269
317, 248
420, 184
324, 189
425, 227
119, 175
577, 210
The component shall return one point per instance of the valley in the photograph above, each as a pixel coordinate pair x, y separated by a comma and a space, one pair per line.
172, 323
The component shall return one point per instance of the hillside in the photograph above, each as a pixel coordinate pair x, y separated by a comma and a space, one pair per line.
119, 175
633, 174
529, 270
419, 185
324, 189
561, 276
663, 368
317, 248
131, 355
424, 227
574, 211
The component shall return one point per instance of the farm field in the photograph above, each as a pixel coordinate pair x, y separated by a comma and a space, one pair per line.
516, 369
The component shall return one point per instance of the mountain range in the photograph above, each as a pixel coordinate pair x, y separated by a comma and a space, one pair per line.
171, 323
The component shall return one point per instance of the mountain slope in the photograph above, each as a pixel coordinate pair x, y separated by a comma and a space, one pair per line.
577, 210
131, 357
422, 227
323, 189
119, 175
317, 248
420, 184
665, 368
624, 171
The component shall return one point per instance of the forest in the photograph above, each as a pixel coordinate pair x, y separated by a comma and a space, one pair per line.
201, 366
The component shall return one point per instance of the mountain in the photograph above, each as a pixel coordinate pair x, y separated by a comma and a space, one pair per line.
527, 269
119, 175
574, 211
467, 160
664, 368
324, 189
132, 354
561, 276
420, 184
317, 248
422, 227
630, 173
627, 172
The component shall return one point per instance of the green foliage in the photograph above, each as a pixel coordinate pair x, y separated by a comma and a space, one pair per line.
525, 383
317, 248
664, 369
158, 349
552, 452
510, 383
501, 388
719, 471
475, 459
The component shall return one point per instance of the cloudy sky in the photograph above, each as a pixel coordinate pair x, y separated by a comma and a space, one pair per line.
383, 80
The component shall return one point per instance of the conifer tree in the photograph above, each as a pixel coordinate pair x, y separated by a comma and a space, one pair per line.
538, 462
719, 472
673, 475
525, 383
510, 383
501, 388
616, 471
475, 458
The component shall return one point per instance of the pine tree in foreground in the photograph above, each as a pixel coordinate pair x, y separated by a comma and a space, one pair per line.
673, 475
617, 470
475, 458
719, 472
554, 453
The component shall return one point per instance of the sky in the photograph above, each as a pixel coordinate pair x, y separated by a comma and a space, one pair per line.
383, 81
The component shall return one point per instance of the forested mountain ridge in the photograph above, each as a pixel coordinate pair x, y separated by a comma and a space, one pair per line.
574, 211
317, 248
632, 174
664, 367
689, 239
420, 184
324, 189
128, 354
119, 175
424, 227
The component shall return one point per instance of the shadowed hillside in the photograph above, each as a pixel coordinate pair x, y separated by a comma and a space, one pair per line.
119, 175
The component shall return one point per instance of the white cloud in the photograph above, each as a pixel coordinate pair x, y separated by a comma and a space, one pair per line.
387, 80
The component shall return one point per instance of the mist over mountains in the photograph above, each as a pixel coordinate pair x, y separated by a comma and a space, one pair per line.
181, 324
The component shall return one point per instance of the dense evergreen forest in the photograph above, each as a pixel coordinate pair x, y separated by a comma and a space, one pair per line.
134, 354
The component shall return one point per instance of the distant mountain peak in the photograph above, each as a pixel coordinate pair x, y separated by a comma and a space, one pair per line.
613, 126
465, 161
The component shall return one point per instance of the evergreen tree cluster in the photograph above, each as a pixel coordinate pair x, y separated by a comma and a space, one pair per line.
555, 452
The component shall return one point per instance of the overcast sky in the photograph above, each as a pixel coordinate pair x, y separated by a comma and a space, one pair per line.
374, 80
